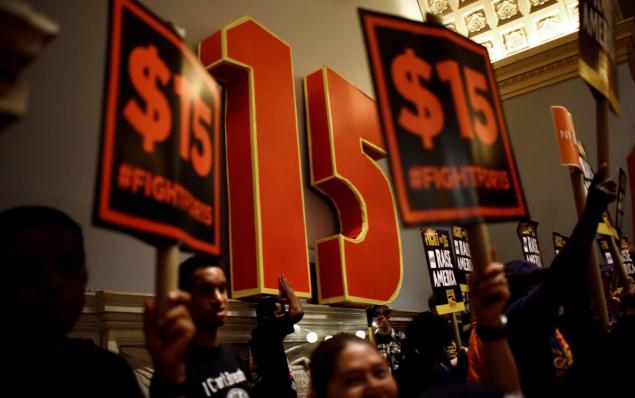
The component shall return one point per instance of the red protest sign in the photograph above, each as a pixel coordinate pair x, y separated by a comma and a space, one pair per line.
159, 156
450, 156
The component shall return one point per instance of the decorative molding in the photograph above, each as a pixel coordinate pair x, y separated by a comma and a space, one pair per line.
506, 10
556, 61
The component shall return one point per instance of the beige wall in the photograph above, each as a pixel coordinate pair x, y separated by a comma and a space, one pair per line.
50, 156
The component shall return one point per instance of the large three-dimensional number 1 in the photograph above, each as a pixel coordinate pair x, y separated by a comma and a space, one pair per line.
363, 263
266, 203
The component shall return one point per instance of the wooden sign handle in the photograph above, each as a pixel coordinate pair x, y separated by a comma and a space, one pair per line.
602, 125
479, 246
457, 335
166, 279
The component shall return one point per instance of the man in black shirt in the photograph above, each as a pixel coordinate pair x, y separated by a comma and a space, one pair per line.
43, 280
189, 360
274, 324
387, 339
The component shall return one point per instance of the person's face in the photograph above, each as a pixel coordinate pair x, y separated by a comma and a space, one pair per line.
47, 277
209, 303
383, 321
279, 311
360, 372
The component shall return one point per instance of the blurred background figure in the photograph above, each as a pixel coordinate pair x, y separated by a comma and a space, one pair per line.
426, 364
43, 280
388, 340
273, 377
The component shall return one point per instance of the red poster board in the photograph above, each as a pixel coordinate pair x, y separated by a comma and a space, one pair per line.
450, 155
159, 156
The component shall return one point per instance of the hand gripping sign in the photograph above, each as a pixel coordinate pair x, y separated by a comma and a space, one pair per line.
450, 156
581, 177
159, 165
572, 154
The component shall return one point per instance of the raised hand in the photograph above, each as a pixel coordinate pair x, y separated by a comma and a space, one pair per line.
489, 293
168, 336
602, 191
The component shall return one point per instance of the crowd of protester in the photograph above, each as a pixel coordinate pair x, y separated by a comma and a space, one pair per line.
535, 334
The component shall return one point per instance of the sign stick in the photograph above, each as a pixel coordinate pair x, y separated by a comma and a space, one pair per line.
479, 245
457, 335
480, 249
603, 152
166, 274
593, 268
602, 124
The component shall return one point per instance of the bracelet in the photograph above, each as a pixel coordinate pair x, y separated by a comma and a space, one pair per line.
493, 333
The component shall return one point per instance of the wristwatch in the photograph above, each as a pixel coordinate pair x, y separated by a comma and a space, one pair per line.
493, 333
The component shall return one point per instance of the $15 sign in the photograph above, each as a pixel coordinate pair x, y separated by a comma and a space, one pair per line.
474, 112
152, 117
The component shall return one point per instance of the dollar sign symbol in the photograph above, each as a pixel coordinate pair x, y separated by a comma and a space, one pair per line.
407, 71
154, 123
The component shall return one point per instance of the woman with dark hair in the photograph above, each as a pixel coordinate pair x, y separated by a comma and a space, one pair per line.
346, 367
349, 367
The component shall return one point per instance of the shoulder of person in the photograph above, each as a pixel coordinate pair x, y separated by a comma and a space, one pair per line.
87, 350
99, 365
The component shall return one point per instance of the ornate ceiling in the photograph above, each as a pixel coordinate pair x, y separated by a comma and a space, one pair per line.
506, 27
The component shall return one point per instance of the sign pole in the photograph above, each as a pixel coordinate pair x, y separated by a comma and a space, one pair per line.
457, 335
602, 124
593, 268
166, 279
479, 245
603, 152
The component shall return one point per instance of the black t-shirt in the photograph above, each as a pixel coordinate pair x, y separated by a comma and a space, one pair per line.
389, 346
78, 369
270, 358
211, 372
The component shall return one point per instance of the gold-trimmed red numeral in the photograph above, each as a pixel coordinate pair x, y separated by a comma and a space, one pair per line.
266, 204
363, 263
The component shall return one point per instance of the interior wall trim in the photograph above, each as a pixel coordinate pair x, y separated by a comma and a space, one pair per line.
556, 61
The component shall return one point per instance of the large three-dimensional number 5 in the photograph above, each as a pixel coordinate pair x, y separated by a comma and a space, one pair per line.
363, 263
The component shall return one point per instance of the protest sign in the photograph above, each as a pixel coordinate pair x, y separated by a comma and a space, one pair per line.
528, 235
442, 271
159, 157
450, 155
